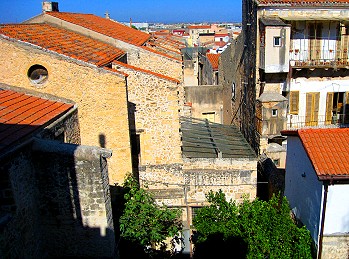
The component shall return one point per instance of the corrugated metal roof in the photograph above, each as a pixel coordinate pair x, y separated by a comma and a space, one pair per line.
204, 139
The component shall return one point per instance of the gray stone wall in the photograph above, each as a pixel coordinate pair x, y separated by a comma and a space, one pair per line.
21, 231
57, 202
206, 72
230, 76
74, 199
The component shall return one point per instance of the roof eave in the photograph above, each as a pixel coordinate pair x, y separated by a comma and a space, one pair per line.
333, 177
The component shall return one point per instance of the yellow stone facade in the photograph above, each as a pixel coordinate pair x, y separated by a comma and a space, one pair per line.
101, 96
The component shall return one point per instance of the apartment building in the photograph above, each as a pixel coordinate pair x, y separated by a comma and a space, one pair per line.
294, 71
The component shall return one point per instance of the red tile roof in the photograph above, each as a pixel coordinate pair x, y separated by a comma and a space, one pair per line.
63, 42
22, 114
199, 27
328, 150
146, 71
214, 60
329, 3
160, 53
104, 26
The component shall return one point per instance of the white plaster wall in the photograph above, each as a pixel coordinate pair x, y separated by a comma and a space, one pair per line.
337, 209
304, 193
277, 57
321, 85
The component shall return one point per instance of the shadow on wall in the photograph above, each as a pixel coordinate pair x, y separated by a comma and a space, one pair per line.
55, 195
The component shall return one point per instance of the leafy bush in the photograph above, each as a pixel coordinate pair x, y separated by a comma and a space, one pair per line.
145, 222
266, 228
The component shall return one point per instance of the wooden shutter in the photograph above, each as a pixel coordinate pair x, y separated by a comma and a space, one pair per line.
312, 109
294, 102
329, 107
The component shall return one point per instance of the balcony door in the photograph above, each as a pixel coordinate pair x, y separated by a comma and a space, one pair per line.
312, 109
315, 32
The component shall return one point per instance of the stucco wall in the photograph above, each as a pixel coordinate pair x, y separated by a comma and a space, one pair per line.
337, 213
323, 85
99, 94
205, 99
156, 111
305, 193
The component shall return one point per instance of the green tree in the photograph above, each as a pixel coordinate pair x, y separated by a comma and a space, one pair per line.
266, 228
145, 222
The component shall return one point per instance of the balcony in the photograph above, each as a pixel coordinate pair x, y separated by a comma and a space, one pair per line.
319, 53
337, 121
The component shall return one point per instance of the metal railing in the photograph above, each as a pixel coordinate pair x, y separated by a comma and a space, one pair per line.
319, 52
337, 121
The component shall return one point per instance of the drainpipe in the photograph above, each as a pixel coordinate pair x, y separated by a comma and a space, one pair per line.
324, 202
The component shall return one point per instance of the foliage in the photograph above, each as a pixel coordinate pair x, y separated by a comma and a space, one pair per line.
145, 222
266, 228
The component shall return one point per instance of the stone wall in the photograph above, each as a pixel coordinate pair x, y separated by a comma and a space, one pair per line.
60, 202
21, 230
155, 62
335, 246
99, 94
185, 185
230, 76
156, 102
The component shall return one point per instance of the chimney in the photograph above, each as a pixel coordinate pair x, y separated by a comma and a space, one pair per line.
50, 7
107, 15
130, 22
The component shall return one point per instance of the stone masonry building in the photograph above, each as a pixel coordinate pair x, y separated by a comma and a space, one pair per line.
54, 193
60, 62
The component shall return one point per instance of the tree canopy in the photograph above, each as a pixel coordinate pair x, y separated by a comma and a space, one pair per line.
145, 222
251, 229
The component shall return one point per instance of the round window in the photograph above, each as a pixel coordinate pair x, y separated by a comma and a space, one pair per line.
37, 74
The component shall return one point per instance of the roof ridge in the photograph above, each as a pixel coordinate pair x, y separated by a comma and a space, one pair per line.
160, 53
147, 71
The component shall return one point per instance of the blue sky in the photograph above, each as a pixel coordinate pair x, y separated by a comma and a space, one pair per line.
16, 11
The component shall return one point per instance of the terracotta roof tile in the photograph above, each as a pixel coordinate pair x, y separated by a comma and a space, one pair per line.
22, 114
199, 27
160, 53
146, 71
329, 3
328, 150
104, 26
63, 42
214, 60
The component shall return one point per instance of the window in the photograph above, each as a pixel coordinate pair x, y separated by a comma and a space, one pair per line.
233, 92
210, 116
37, 74
294, 102
276, 162
274, 112
277, 41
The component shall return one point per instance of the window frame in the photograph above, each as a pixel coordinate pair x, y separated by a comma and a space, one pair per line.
279, 41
